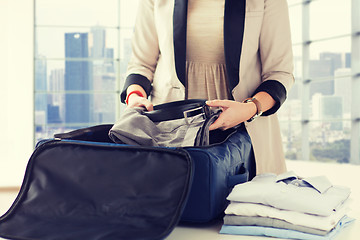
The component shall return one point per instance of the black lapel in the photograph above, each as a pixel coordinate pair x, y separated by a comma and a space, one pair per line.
234, 20
179, 25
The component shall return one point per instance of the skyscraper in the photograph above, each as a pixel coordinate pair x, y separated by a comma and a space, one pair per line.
40, 88
41, 83
103, 74
78, 78
325, 66
98, 42
56, 100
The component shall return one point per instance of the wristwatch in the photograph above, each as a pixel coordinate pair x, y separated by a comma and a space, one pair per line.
258, 108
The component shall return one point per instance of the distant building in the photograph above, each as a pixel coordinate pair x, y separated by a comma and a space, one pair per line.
41, 88
328, 109
342, 85
324, 67
104, 78
78, 79
56, 98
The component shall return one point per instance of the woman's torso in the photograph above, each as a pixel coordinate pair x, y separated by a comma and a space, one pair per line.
205, 60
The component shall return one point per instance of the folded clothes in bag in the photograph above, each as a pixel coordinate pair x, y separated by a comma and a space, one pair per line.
81, 185
175, 124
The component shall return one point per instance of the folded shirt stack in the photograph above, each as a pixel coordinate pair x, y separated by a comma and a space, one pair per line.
287, 206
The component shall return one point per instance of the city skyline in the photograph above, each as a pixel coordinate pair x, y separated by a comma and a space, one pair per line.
325, 66
65, 95
100, 62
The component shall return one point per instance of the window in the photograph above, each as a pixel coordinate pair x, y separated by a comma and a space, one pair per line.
320, 121
81, 52
82, 48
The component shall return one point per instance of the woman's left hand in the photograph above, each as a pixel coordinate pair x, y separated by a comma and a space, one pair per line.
233, 113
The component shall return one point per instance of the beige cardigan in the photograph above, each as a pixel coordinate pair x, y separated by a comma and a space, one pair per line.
266, 54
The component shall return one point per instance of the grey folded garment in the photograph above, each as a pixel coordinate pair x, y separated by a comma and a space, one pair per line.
235, 220
135, 128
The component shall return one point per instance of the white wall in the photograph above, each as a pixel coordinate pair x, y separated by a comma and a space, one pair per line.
16, 89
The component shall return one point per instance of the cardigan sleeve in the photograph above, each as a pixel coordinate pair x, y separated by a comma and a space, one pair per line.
276, 53
276, 90
145, 50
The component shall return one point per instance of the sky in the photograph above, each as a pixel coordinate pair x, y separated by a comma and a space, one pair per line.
334, 19
82, 15
326, 21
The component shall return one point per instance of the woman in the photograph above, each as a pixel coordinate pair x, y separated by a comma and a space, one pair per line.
235, 53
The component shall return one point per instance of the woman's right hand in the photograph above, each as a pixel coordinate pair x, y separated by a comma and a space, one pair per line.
138, 101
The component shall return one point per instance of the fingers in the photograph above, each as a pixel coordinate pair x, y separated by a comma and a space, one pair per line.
137, 101
148, 105
215, 125
219, 123
231, 115
219, 103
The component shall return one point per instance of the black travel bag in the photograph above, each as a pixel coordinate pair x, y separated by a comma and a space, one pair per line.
84, 186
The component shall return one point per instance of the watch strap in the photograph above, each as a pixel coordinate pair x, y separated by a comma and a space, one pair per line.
258, 108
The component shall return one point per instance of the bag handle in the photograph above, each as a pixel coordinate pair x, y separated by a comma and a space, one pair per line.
97, 133
241, 177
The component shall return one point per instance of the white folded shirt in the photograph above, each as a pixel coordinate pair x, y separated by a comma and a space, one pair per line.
297, 218
315, 195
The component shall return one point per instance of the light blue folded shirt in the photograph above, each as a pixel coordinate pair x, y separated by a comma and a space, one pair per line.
284, 233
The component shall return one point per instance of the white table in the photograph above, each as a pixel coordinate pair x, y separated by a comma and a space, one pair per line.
338, 174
